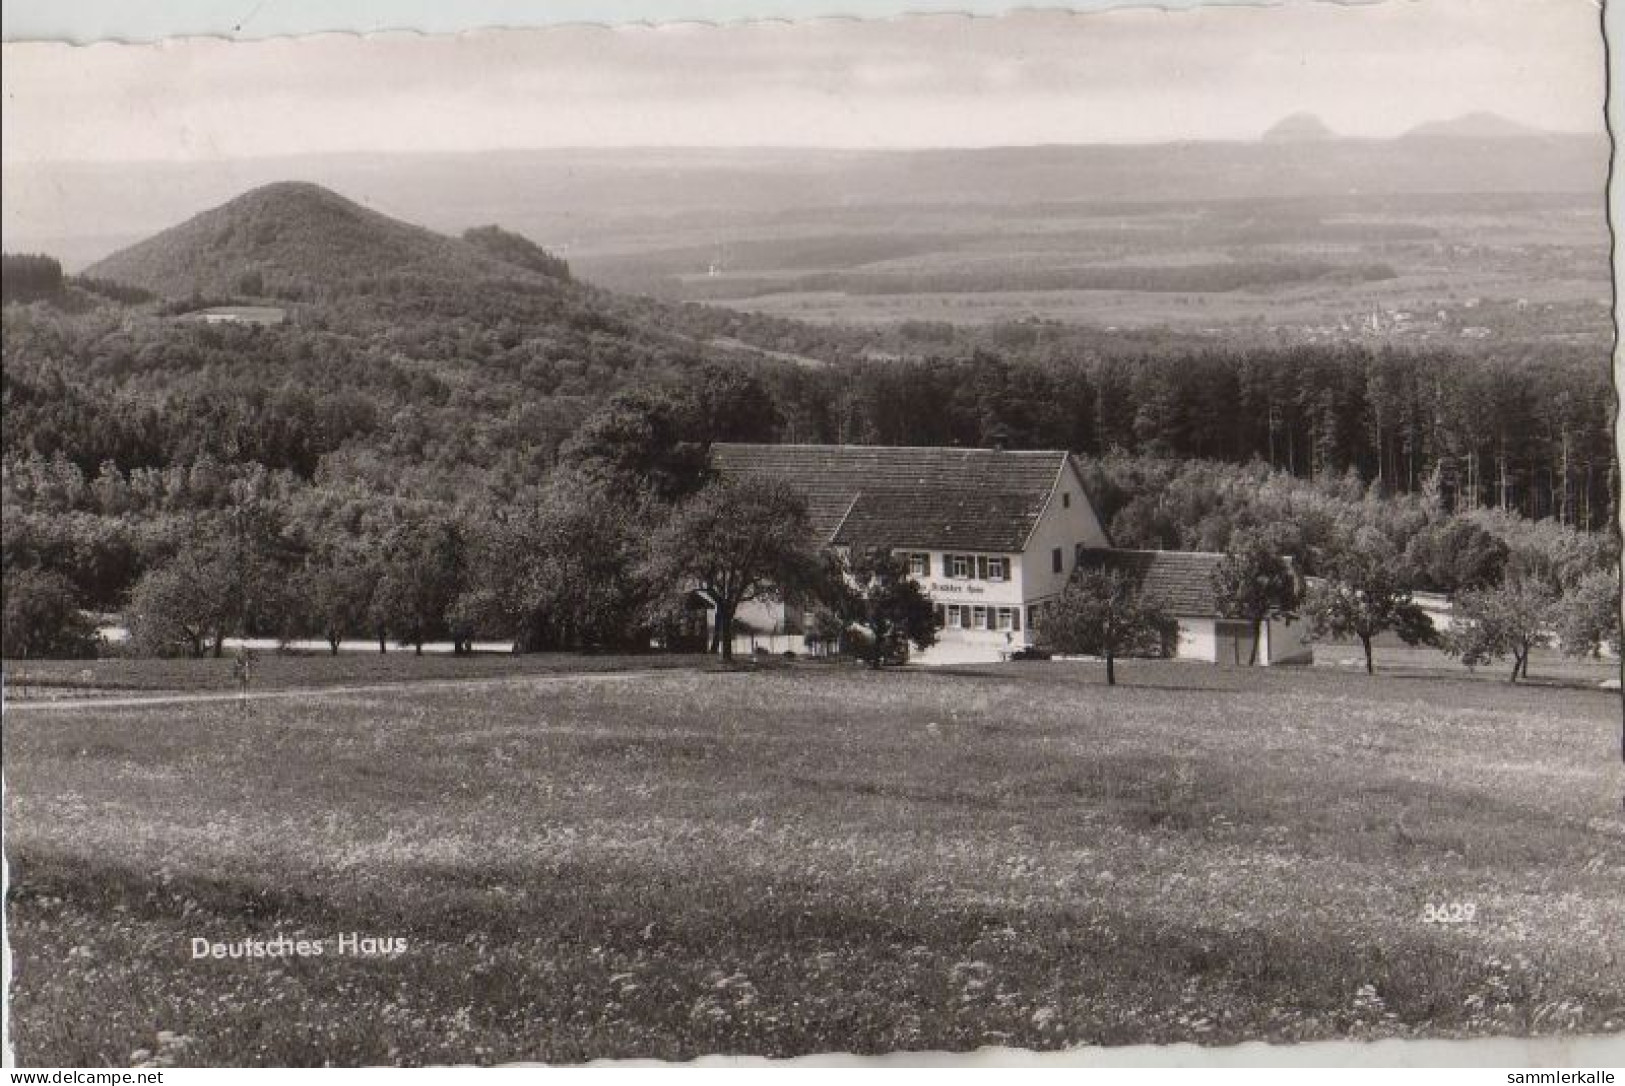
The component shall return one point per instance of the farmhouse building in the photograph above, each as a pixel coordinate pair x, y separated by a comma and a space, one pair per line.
992, 536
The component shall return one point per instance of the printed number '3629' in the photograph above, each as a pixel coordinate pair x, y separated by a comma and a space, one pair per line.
1454, 912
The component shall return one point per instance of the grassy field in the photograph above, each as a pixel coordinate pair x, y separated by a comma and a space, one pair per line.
1394, 659
815, 857
119, 676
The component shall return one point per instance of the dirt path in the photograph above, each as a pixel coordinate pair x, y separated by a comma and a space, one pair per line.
330, 691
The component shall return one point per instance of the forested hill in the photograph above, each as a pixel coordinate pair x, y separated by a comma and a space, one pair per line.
410, 362
297, 241
339, 267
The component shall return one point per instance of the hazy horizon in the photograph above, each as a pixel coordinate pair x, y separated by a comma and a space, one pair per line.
110, 142
1032, 78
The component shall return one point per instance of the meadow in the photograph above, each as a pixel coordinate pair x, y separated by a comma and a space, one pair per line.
811, 857
121, 676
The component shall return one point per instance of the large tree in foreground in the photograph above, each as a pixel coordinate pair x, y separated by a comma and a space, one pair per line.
1106, 613
1255, 582
737, 541
876, 595
1366, 592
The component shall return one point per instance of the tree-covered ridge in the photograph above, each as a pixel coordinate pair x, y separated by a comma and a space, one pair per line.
294, 240
427, 388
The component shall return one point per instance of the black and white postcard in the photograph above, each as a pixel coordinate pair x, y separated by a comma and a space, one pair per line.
1054, 533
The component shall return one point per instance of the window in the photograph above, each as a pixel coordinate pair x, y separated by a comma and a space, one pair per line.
1066, 499
1055, 561
1006, 619
998, 569
978, 618
961, 567
919, 565
956, 616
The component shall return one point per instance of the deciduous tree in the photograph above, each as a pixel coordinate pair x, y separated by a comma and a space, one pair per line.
881, 599
560, 568
1366, 592
1453, 553
422, 576
640, 440
42, 618
1588, 615
1254, 581
737, 540
1107, 613
333, 592
1494, 623
185, 605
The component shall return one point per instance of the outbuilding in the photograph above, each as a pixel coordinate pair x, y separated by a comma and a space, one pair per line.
1183, 582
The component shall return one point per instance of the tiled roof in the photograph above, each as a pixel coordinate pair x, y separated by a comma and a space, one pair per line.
974, 520
942, 498
1182, 580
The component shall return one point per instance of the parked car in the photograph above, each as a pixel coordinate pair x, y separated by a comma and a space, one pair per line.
1030, 652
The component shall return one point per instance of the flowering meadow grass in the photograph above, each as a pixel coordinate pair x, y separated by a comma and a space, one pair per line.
813, 858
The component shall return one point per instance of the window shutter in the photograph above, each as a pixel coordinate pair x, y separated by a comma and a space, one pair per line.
1015, 619
942, 616
981, 567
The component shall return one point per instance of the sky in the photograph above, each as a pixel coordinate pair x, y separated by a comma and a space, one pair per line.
1128, 75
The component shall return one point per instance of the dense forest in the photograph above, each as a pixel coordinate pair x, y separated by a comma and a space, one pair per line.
422, 394
442, 381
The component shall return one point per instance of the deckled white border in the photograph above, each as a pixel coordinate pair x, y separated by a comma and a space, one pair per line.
87, 21
84, 21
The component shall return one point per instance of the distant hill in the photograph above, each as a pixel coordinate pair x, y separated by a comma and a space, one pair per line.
361, 271
585, 204
1476, 126
296, 240
1298, 128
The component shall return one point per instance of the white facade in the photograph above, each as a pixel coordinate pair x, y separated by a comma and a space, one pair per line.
991, 538
986, 600
1230, 641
